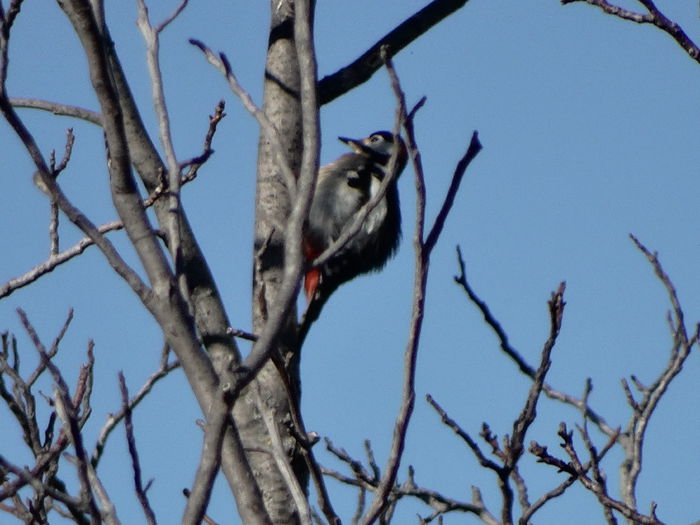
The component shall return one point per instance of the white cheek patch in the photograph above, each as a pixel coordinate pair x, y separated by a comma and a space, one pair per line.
374, 187
375, 218
377, 215
352, 177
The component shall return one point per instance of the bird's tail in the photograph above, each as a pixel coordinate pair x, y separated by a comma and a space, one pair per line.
313, 277
311, 282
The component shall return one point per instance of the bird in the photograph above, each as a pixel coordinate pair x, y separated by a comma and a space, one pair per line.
343, 187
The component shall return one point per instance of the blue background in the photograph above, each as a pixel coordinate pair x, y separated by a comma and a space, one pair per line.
590, 129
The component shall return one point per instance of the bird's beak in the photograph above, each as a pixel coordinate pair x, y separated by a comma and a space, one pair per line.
356, 145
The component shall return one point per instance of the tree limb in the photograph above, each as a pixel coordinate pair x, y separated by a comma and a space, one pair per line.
133, 452
362, 69
653, 16
57, 108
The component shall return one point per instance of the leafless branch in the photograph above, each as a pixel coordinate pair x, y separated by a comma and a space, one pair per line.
48, 184
28, 477
278, 314
133, 452
362, 69
422, 247
653, 16
195, 163
55, 171
67, 410
361, 474
54, 261
242, 334
306, 441
279, 454
218, 419
205, 519
472, 151
457, 429
510, 452
21, 403
364, 479
66, 255
21, 400
437, 501
643, 409
53, 229
381, 501
58, 109
575, 468
165, 23
67, 151
527, 416
221, 63
151, 36
124, 189
522, 364
8, 18
114, 419
545, 498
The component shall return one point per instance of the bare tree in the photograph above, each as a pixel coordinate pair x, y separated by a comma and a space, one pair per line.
253, 430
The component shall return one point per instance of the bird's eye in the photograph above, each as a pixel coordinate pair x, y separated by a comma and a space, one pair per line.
375, 138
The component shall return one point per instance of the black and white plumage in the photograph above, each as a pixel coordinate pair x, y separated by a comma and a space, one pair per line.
343, 187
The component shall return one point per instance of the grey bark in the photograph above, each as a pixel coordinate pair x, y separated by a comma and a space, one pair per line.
282, 106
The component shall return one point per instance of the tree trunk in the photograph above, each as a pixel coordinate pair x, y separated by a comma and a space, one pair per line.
281, 105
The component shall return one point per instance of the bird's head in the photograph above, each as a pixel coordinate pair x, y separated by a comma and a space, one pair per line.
380, 146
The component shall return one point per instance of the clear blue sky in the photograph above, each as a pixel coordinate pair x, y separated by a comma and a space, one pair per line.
589, 126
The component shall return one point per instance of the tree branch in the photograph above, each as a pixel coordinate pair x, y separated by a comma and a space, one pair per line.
218, 420
653, 16
577, 469
472, 151
114, 419
133, 452
643, 410
422, 247
221, 63
511, 352
381, 502
362, 69
59, 109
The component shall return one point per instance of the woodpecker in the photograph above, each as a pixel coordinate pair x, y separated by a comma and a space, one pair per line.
342, 188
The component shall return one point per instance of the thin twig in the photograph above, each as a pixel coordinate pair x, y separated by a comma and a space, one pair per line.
56, 108
381, 502
653, 16
422, 247
279, 455
511, 352
472, 151
66, 255
195, 163
242, 334
473, 445
114, 419
642, 410
152, 38
133, 452
221, 63
66, 410
576, 468
218, 420
165, 23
